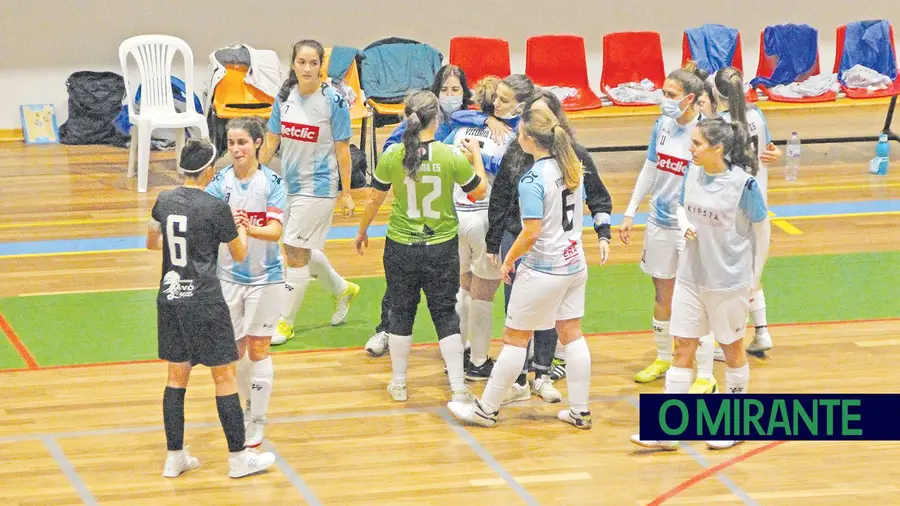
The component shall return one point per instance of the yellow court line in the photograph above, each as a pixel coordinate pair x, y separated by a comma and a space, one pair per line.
787, 227
833, 187
883, 342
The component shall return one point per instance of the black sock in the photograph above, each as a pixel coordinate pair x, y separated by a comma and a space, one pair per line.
173, 417
544, 348
232, 418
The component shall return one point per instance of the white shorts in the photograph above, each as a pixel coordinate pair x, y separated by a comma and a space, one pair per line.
308, 220
254, 308
697, 313
662, 247
473, 257
539, 300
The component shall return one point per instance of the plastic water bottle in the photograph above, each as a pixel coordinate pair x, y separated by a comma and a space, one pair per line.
879, 164
792, 167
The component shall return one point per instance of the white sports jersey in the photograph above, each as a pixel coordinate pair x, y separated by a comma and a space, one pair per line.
669, 149
543, 195
721, 208
308, 127
263, 198
760, 137
488, 148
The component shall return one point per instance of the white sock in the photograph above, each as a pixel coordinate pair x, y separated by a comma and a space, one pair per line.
242, 374
261, 375
560, 352
452, 351
704, 355
738, 379
481, 323
578, 374
663, 340
678, 380
319, 267
399, 347
506, 370
296, 282
462, 309
758, 308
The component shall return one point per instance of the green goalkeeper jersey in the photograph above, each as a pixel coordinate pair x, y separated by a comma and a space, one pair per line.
423, 211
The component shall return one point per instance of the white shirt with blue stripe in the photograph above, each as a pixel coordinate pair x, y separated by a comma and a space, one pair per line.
543, 195
263, 198
309, 127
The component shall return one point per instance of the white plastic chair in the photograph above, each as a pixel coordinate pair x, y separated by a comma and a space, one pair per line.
154, 55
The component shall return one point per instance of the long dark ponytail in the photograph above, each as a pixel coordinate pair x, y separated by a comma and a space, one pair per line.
292, 80
730, 84
734, 141
422, 108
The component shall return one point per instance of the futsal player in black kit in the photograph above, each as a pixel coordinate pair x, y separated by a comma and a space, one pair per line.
194, 324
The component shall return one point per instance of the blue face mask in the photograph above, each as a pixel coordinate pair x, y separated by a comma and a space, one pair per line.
671, 107
450, 104
514, 113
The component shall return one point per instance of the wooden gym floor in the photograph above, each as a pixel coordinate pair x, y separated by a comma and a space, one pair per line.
92, 434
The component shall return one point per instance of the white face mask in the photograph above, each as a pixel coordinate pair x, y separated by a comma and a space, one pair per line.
512, 114
450, 104
671, 107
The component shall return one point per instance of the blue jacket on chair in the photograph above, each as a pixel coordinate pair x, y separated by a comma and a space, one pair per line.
712, 46
796, 46
868, 43
394, 67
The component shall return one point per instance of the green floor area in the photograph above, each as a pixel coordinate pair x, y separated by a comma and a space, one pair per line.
121, 326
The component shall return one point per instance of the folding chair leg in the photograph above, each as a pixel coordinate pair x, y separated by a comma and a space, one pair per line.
179, 144
132, 150
143, 156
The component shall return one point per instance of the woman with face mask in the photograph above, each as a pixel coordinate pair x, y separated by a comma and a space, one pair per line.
720, 212
454, 96
668, 155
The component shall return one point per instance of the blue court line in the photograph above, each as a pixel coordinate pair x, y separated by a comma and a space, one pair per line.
69, 470
308, 495
349, 232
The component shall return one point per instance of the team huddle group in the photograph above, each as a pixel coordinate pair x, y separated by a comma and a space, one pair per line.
489, 186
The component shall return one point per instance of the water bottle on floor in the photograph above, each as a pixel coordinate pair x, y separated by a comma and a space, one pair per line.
792, 164
879, 164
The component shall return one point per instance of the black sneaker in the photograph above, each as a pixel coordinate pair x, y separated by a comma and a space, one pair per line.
481, 372
558, 369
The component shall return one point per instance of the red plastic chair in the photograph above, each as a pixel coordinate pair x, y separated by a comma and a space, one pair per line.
891, 91
737, 61
559, 60
479, 57
630, 57
767, 66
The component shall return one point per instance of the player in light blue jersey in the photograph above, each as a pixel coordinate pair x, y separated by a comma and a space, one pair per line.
311, 123
551, 279
668, 155
252, 287
720, 213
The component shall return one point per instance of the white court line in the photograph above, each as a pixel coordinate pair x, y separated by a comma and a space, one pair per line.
882, 342
535, 478
308, 495
69, 471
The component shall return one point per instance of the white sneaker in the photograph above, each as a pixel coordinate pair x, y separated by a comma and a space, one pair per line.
657, 445
462, 395
180, 462
249, 462
718, 355
472, 413
398, 392
253, 437
580, 420
762, 342
722, 445
517, 393
543, 388
378, 344
342, 304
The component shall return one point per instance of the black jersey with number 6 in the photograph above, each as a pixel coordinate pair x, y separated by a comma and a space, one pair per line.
193, 225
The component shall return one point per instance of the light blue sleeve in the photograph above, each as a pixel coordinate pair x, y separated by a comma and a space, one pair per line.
274, 124
752, 202
766, 127
491, 163
447, 139
396, 136
214, 187
340, 117
468, 118
531, 196
651, 148
278, 196
683, 179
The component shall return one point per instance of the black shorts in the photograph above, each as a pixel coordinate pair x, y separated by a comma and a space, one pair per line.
196, 333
